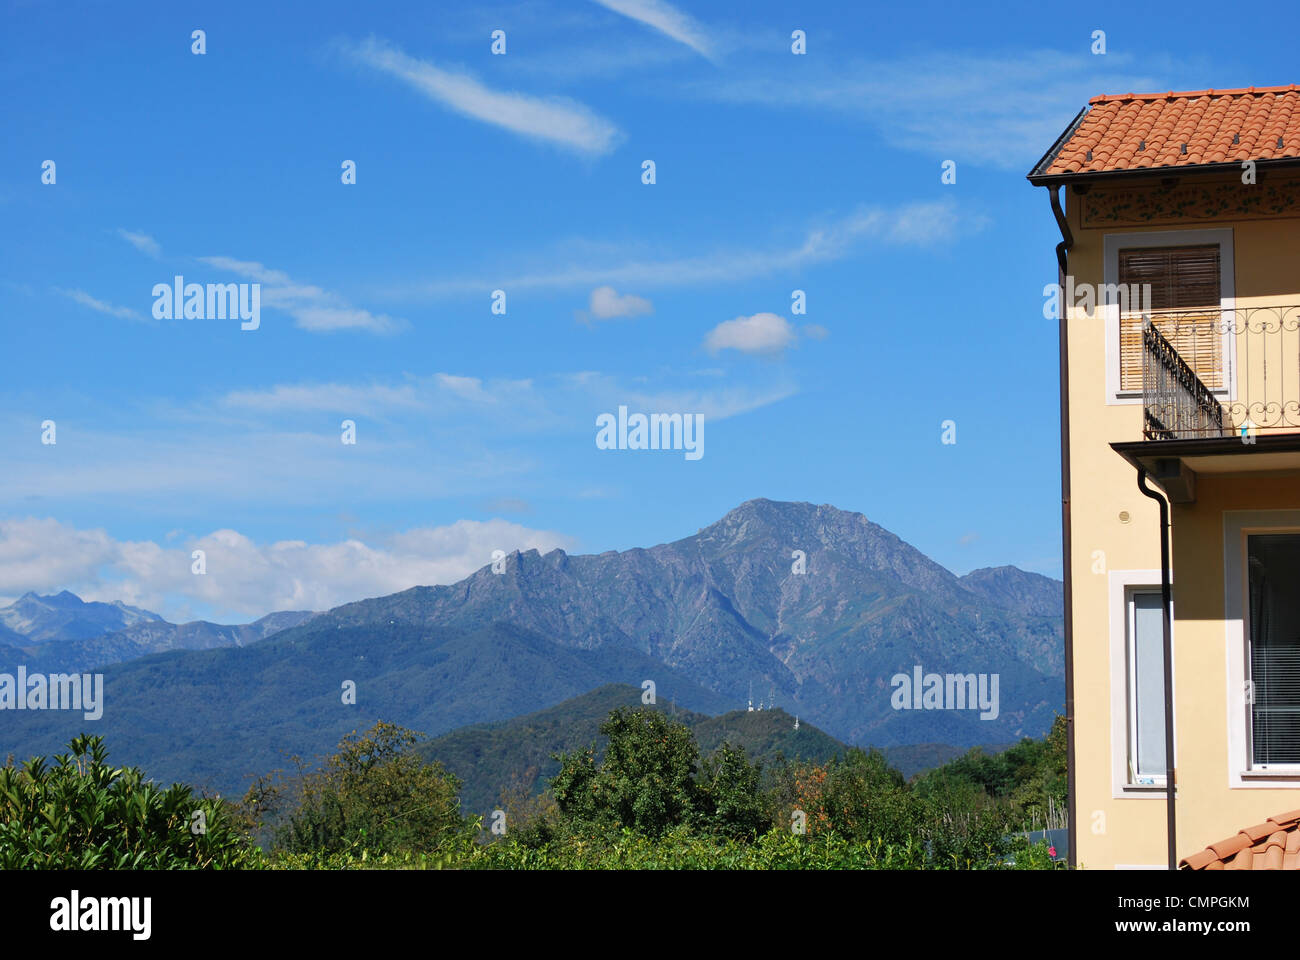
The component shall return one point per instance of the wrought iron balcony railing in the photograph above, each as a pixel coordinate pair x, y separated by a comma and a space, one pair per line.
1215, 373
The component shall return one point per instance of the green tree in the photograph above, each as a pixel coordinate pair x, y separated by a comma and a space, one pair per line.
375, 794
729, 787
864, 798
645, 781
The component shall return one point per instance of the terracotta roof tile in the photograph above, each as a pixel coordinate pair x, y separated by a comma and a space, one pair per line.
1271, 845
1145, 130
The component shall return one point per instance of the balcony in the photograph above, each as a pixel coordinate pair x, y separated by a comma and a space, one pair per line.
1241, 375
1220, 394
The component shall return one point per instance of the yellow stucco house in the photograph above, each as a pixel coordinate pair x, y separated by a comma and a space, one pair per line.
1179, 309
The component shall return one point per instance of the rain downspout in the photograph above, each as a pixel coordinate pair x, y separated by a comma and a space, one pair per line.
1062, 252
1165, 606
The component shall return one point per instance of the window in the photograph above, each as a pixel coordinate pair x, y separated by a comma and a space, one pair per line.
1273, 649
1137, 684
1184, 306
1146, 688
1191, 277
1261, 557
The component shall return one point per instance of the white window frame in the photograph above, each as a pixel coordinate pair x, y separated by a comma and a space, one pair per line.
1112, 243
1122, 584
1237, 526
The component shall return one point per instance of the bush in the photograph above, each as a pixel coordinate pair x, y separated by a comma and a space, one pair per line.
83, 814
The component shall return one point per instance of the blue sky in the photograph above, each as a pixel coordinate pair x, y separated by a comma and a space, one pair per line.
523, 172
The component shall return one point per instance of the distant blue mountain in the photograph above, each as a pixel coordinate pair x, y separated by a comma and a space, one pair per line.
62, 633
65, 616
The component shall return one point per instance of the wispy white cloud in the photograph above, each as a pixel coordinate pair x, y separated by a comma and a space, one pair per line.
665, 18
254, 271
328, 397
313, 308
716, 402
557, 120
449, 435
999, 109
912, 225
556, 404
415, 395
245, 578
720, 403
213, 457
142, 242
100, 306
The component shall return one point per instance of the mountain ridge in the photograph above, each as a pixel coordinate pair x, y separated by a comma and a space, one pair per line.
726, 604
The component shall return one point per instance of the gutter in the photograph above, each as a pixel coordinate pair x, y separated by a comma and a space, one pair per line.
1166, 601
1057, 179
1062, 265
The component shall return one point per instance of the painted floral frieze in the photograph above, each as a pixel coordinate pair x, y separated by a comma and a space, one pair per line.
1189, 203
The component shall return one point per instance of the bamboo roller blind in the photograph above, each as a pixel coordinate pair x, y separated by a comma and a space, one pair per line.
1182, 279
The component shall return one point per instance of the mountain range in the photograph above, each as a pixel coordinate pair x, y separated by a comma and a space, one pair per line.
65, 616
808, 608
63, 633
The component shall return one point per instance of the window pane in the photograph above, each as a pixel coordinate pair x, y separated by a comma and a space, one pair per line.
1148, 685
1274, 564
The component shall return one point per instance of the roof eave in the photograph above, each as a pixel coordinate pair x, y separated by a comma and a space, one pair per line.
1058, 179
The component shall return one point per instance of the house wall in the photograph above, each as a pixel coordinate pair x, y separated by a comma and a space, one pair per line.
1209, 810
1116, 828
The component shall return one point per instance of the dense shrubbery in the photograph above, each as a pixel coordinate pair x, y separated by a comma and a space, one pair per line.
650, 802
82, 813
1029, 779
